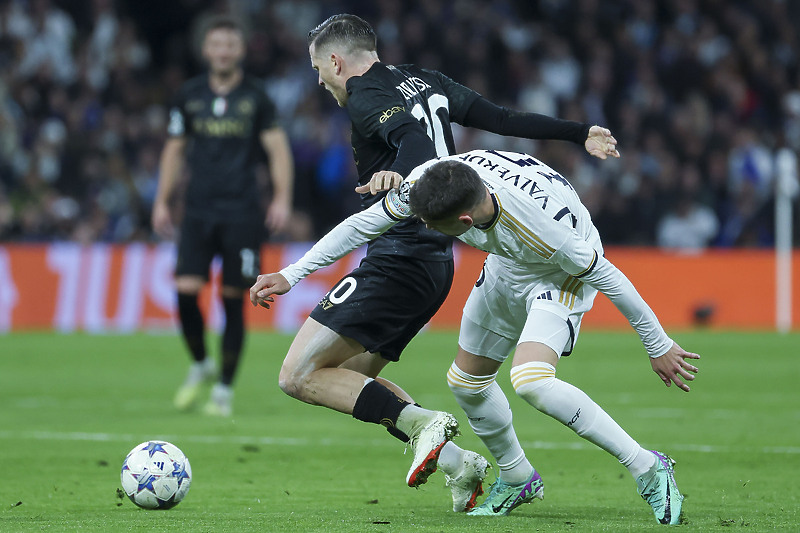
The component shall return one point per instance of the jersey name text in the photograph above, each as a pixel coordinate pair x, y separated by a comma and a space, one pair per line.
412, 87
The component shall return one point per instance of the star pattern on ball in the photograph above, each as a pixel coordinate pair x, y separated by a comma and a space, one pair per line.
145, 481
153, 447
179, 472
156, 474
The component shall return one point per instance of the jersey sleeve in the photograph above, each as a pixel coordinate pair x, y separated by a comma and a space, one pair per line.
579, 259
351, 233
460, 98
376, 109
609, 280
267, 114
487, 116
178, 121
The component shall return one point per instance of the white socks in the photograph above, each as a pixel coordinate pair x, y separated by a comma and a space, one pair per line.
412, 419
641, 463
490, 418
536, 383
451, 458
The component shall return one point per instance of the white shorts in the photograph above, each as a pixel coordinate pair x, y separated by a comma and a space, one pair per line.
511, 305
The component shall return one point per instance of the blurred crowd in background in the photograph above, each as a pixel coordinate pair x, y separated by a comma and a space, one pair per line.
700, 94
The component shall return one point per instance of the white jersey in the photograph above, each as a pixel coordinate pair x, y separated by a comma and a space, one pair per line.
540, 223
540, 228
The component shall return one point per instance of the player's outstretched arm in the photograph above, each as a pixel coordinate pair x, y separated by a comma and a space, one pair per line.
265, 286
485, 115
673, 367
348, 235
600, 143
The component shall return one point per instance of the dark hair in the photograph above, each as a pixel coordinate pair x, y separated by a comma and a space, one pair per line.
222, 22
349, 30
446, 189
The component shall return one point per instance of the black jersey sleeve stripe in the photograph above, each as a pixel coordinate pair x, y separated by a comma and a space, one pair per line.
591, 266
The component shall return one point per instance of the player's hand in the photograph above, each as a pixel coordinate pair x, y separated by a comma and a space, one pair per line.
279, 213
673, 367
161, 221
600, 143
265, 286
381, 181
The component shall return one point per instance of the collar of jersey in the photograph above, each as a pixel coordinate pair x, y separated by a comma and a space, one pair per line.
498, 208
355, 79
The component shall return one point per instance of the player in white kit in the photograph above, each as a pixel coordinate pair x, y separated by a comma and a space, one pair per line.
545, 267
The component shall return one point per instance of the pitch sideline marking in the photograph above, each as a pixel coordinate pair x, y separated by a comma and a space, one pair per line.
285, 441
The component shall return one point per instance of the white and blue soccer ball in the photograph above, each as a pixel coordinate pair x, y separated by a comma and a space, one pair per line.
156, 475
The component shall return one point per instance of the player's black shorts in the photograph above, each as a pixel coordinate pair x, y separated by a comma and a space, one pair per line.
384, 302
237, 241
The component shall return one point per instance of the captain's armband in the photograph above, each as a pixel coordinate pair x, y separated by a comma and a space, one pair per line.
396, 203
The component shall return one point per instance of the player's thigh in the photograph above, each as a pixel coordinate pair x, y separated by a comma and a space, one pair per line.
240, 246
495, 306
481, 350
316, 346
553, 318
369, 364
545, 337
196, 248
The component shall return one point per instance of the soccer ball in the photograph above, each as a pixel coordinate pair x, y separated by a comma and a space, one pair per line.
156, 475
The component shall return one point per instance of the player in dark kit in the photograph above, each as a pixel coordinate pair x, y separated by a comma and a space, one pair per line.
219, 122
401, 118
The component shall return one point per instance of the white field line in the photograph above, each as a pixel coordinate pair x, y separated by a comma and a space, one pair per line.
287, 441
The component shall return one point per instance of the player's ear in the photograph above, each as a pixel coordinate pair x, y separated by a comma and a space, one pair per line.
336, 61
466, 219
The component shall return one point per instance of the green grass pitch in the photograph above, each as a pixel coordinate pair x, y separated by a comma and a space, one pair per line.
71, 406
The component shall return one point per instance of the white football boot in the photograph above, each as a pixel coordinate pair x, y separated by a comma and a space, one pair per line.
220, 403
199, 374
466, 484
427, 444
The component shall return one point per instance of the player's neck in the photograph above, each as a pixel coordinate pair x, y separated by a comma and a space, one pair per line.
363, 63
485, 211
224, 82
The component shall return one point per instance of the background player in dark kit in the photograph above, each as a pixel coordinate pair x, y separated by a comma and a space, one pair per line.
218, 123
400, 118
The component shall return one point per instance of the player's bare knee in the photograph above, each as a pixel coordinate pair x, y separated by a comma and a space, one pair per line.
291, 382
